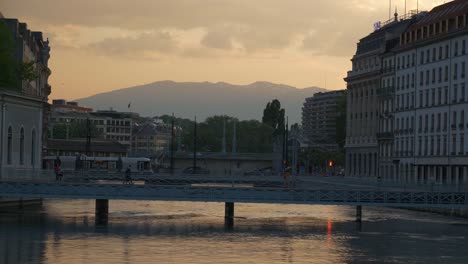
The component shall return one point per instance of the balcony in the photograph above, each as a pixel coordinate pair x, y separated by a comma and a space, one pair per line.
386, 92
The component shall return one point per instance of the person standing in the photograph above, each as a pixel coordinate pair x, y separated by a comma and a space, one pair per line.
128, 175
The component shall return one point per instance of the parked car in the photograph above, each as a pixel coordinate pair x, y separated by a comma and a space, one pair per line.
195, 170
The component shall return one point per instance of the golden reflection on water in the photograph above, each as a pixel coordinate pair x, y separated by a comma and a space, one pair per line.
182, 232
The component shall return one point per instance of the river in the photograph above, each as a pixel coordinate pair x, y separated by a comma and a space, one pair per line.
63, 231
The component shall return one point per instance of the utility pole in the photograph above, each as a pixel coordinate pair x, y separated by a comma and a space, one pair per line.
194, 145
234, 139
172, 144
88, 136
224, 136
287, 142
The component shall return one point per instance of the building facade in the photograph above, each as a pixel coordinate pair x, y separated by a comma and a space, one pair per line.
319, 115
422, 100
109, 125
23, 109
363, 101
150, 139
431, 100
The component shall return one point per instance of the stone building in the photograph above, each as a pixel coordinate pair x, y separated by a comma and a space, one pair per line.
431, 102
24, 108
363, 82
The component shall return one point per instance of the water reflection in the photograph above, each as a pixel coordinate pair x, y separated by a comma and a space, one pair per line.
148, 232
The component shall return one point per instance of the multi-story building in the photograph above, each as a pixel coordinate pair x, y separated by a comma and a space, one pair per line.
422, 126
319, 115
430, 98
363, 83
150, 139
110, 125
23, 101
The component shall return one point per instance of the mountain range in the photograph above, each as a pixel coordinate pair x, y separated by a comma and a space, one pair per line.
203, 99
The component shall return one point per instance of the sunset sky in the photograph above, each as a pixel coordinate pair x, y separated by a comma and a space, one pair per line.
103, 45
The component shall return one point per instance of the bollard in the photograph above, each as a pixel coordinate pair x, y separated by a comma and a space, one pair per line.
229, 214
358, 213
102, 211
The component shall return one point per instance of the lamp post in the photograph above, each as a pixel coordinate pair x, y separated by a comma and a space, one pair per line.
67, 127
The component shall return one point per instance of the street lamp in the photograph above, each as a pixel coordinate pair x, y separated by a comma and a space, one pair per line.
67, 120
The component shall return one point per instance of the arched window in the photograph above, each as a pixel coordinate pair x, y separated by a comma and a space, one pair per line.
21, 145
9, 144
33, 148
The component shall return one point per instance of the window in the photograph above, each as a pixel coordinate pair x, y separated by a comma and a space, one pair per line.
463, 69
445, 146
446, 73
33, 148
439, 92
455, 93
455, 71
454, 119
462, 144
462, 118
440, 75
421, 78
446, 95
422, 57
21, 146
455, 49
445, 121
433, 97
438, 121
9, 144
447, 51
462, 89
433, 75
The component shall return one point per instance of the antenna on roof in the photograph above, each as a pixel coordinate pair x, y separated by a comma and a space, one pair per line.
405, 8
390, 9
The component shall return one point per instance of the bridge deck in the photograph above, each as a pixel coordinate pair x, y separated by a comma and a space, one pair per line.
233, 194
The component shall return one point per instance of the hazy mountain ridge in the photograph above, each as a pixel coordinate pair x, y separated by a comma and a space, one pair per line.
203, 99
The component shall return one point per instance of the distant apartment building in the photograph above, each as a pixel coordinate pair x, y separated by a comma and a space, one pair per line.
150, 139
23, 103
422, 100
319, 115
62, 106
109, 124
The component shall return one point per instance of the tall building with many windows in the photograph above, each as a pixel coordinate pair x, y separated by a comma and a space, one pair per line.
422, 100
430, 100
319, 115
363, 85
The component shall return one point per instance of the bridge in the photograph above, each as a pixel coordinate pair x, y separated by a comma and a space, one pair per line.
231, 190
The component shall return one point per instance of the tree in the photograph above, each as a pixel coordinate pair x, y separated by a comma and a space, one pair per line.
273, 115
76, 129
12, 71
252, 136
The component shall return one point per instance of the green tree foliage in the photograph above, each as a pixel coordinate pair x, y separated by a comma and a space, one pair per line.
12, 71
7, 60
252, 136
273, 115
76, 129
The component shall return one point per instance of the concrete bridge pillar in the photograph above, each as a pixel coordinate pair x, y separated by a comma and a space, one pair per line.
359, 213
229, 214
102, 211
